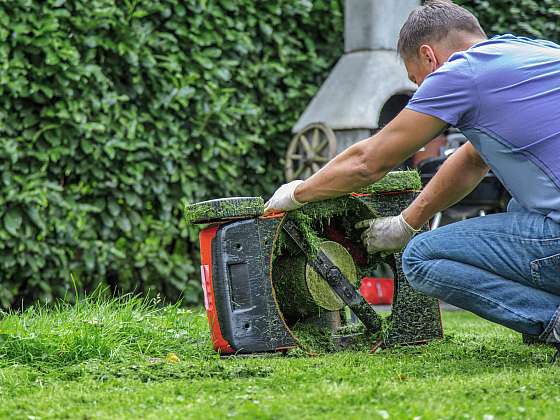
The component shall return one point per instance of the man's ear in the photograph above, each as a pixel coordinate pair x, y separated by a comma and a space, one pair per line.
428, 57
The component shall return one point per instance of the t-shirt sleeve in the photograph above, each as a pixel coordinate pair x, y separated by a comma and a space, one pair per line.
449, 94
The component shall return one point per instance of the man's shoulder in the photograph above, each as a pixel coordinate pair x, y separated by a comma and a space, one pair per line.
510, 47
509, 58
505, 40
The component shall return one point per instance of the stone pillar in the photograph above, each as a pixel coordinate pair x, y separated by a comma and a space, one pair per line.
374, 24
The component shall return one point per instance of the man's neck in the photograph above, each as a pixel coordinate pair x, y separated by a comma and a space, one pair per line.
470, 41
459, 42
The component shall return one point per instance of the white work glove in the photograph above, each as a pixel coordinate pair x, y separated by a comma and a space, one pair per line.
283, 199
386, 233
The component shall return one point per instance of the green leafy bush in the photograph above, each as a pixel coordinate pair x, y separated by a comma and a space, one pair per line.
533, 18
113, 112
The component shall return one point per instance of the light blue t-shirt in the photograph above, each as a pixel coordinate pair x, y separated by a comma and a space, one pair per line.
504, 95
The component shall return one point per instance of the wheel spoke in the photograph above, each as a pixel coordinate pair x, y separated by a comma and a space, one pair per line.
306, 145
315, 138
320, 148
296, 157
315, 167
319, 159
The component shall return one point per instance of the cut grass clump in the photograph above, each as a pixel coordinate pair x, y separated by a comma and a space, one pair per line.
316, 340
396, 181
224, 208
312, 340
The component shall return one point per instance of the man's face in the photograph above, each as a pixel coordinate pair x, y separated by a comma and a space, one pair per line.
419, 67
416, 71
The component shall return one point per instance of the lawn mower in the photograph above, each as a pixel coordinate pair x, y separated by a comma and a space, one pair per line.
265, 276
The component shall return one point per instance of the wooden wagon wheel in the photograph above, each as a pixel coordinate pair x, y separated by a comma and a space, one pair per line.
309, 150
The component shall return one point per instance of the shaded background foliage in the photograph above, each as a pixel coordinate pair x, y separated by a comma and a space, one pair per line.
113, 114
532, 18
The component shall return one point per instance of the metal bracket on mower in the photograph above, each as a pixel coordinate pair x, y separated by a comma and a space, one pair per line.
338, 282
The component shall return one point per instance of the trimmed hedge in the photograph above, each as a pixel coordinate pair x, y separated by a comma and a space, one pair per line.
114, 114
532, 18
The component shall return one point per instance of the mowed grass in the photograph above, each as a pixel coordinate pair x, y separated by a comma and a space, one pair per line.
128, 359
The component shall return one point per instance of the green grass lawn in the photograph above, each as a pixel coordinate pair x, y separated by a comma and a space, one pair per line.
117, 359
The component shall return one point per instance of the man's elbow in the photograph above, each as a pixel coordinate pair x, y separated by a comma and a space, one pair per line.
370, 167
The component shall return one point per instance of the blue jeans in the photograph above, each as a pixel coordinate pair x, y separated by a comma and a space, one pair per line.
503, 267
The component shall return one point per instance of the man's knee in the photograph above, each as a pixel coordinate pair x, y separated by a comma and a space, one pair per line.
416, 260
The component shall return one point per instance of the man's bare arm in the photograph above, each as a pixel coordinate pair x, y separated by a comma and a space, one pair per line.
457, 177
369, 160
